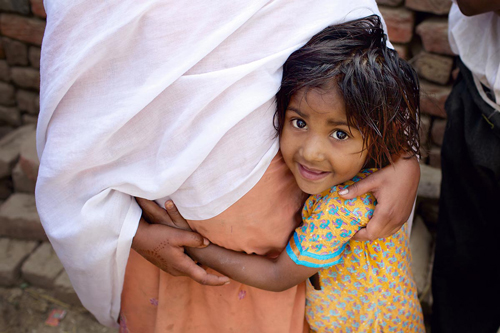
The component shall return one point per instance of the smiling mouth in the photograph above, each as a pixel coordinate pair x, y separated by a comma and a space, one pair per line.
311, 174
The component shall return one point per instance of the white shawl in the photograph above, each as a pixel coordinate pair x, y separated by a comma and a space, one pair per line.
157, 99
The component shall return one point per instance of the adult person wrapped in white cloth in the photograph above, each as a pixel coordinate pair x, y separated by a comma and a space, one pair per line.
157, 99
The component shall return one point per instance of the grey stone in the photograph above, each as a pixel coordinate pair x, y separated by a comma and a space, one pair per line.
4, 71
7, 94
420, 247
10, 116
42, 267
430, 182
16, 52
10, 148
28, 119
64, 290
4, 130
12, 255
19, 218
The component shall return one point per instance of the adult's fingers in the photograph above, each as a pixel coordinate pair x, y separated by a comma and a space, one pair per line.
374, 230
368, 184
183, 238
195, 272
153, 213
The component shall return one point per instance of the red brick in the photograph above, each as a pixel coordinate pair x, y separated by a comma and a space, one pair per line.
7, 94
433, 67
28, 159
437, 132
4, 71
34, 56
2, 52
400, 23
435, 157
38, 9
434, 34
432, 98
403, 50
430, 6
26, 77
27, 101
29, 30
16, 52
19, 6
425, 125
10, 116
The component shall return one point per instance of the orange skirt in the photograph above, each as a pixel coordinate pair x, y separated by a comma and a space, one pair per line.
260, 222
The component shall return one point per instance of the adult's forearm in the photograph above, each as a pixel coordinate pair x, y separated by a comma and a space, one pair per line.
475, 7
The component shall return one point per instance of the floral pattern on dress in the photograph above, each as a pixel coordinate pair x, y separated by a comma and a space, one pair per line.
366, 286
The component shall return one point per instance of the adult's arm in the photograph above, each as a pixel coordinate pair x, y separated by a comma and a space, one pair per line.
395, 188
163, 245
475, 7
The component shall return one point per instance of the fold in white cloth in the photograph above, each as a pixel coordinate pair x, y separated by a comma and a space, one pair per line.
157, 99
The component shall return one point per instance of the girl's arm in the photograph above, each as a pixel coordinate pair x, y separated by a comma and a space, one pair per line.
257, 271
250, 269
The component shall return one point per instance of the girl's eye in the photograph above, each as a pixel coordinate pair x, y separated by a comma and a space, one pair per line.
340, 135
298, 123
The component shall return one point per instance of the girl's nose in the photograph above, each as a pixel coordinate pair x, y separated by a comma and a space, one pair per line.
313, 149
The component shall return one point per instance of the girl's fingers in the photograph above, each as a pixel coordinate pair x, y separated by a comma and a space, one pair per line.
153, 213
175, 216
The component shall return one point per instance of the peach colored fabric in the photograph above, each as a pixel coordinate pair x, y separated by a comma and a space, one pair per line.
260, 222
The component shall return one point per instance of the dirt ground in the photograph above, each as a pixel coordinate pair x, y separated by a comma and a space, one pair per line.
25, 310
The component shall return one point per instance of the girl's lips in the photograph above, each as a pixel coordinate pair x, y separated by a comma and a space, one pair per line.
310, 174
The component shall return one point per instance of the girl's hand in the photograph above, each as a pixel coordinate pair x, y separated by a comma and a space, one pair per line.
162, 244
169, 216
395, 188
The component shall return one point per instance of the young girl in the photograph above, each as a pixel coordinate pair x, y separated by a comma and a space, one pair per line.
347, 104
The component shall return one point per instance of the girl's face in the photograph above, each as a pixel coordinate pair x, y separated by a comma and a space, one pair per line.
316, 143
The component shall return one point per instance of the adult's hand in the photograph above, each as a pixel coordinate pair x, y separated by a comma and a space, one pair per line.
163, 246
395, 188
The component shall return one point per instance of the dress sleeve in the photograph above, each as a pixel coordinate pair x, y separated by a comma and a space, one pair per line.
329, 222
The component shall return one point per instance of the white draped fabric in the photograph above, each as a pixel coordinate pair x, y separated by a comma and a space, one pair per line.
476, 40
157, 99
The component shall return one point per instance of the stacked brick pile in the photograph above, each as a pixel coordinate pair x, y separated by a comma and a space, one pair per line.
417, 28
25, 254
419, 31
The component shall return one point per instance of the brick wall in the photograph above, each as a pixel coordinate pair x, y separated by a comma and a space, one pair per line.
417, 28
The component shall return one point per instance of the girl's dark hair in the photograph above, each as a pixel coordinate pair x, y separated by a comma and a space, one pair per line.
380, 90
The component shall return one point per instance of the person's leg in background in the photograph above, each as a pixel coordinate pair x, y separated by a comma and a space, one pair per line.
466, 274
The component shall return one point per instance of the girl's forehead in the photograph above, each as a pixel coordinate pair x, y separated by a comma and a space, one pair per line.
319, 101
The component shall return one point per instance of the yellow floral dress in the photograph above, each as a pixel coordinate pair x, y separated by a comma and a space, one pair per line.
366, 286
